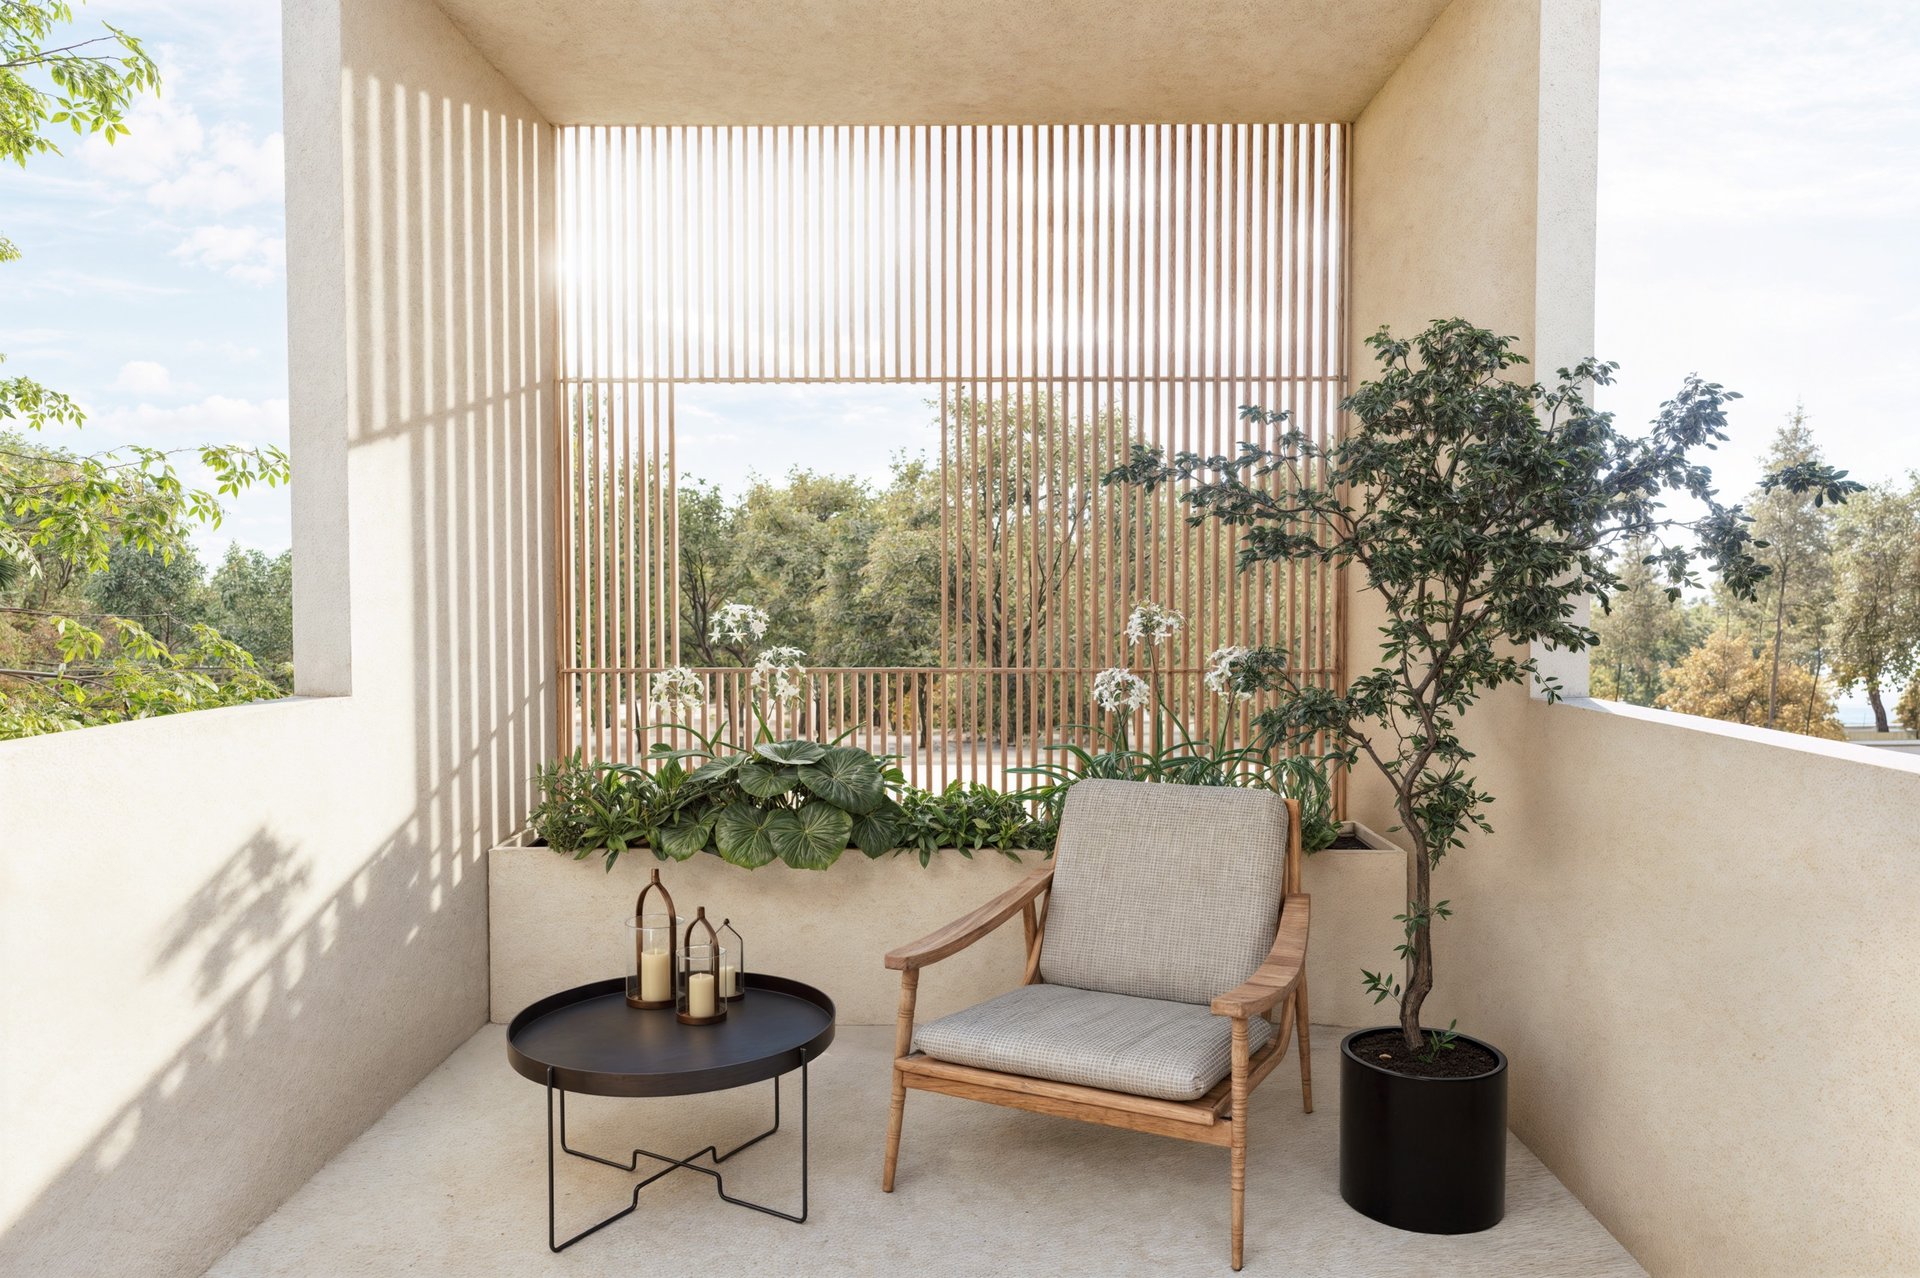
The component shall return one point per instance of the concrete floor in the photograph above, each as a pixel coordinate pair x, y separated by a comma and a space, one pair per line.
453, 1181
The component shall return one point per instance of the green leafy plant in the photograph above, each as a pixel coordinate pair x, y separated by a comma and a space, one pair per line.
1482, 510
968, 817
798, 802
1175, 755
1303, 778
560, 815
1438, 1041
62, 513
121, 671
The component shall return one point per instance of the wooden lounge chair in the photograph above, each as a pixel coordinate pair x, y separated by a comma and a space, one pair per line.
1166, 945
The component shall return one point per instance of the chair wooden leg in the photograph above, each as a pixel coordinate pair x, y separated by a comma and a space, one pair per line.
902, 1044
1306, 1045
1239, 1136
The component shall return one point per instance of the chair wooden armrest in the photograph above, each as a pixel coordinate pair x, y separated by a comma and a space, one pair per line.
1275, 978
968, 928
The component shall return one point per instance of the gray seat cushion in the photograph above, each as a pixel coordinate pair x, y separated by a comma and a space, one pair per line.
1142, 1046
1164, 891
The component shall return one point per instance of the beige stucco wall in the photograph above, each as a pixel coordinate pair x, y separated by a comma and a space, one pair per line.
1688, 936
232, 939
1692, 939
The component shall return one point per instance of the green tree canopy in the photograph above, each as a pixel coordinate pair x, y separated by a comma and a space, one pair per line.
1642, 631
64, 514
1876, 571
1481, 508
1791, 618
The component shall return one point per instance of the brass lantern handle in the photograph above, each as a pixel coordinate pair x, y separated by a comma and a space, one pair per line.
640, 913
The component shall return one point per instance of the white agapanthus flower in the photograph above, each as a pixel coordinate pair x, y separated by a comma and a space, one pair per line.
677, 690
1151, 623
778, 672
738, 623
1120, 690
1223, 668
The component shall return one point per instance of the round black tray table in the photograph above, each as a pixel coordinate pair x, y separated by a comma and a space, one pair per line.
587, 1040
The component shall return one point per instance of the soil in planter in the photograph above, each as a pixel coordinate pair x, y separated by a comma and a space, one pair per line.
1388, 1050
1343, 843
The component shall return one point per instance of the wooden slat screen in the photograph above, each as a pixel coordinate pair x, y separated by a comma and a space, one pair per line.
1065, 290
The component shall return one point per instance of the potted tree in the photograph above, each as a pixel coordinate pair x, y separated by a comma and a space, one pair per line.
1482, 509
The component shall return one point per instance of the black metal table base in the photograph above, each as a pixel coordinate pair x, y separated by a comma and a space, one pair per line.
673, 1164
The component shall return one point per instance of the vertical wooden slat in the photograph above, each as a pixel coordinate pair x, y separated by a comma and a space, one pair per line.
1119, 283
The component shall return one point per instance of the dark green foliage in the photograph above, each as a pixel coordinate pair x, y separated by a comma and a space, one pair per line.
1191, 761
560, 816
968, 817
253, 603
793, 801
1482, 509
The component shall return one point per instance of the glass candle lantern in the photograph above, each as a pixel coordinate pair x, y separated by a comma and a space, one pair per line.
701, 958
653, 941
733, 966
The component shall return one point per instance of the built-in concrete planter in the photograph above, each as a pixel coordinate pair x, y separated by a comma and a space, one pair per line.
555, 923
1356, 892
1375, 842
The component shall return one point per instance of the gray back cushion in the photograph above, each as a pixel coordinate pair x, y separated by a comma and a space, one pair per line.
1164, 891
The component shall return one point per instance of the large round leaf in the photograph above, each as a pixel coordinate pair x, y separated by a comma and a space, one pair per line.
717, 769
686, 837
790, 752
846, 778
766, 781
742, 835
810, 837
876, 833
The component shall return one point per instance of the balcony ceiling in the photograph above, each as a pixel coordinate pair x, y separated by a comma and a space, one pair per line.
944, 61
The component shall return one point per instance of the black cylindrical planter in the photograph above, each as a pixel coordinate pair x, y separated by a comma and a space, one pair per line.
1426, 1154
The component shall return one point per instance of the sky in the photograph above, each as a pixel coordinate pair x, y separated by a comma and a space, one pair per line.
1759, 202
152, 285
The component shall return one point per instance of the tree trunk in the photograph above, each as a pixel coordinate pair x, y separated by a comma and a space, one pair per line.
1879, 707
1779, 630
1419, 978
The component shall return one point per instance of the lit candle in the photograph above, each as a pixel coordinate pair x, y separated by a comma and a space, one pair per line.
729, 980
700, 994
656, 976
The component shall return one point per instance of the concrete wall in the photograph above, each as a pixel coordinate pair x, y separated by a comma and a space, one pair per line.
1691, 937
232, 939
558, 923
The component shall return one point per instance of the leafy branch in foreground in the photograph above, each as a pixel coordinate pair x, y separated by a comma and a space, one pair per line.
88, 85
1482, 509
62, 514
123, 673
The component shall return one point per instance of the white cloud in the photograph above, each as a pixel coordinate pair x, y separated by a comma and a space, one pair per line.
233, 172
244, 253
144, 377
184, 164
217, 418
163, 133
93, 285
232, 352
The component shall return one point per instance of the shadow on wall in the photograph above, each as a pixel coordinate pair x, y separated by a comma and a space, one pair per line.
314, 1013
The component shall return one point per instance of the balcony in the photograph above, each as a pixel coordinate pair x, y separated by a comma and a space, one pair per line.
451, 1180
256, 984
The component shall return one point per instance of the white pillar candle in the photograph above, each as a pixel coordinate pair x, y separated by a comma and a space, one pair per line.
729, 980
700, 994
656, 976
